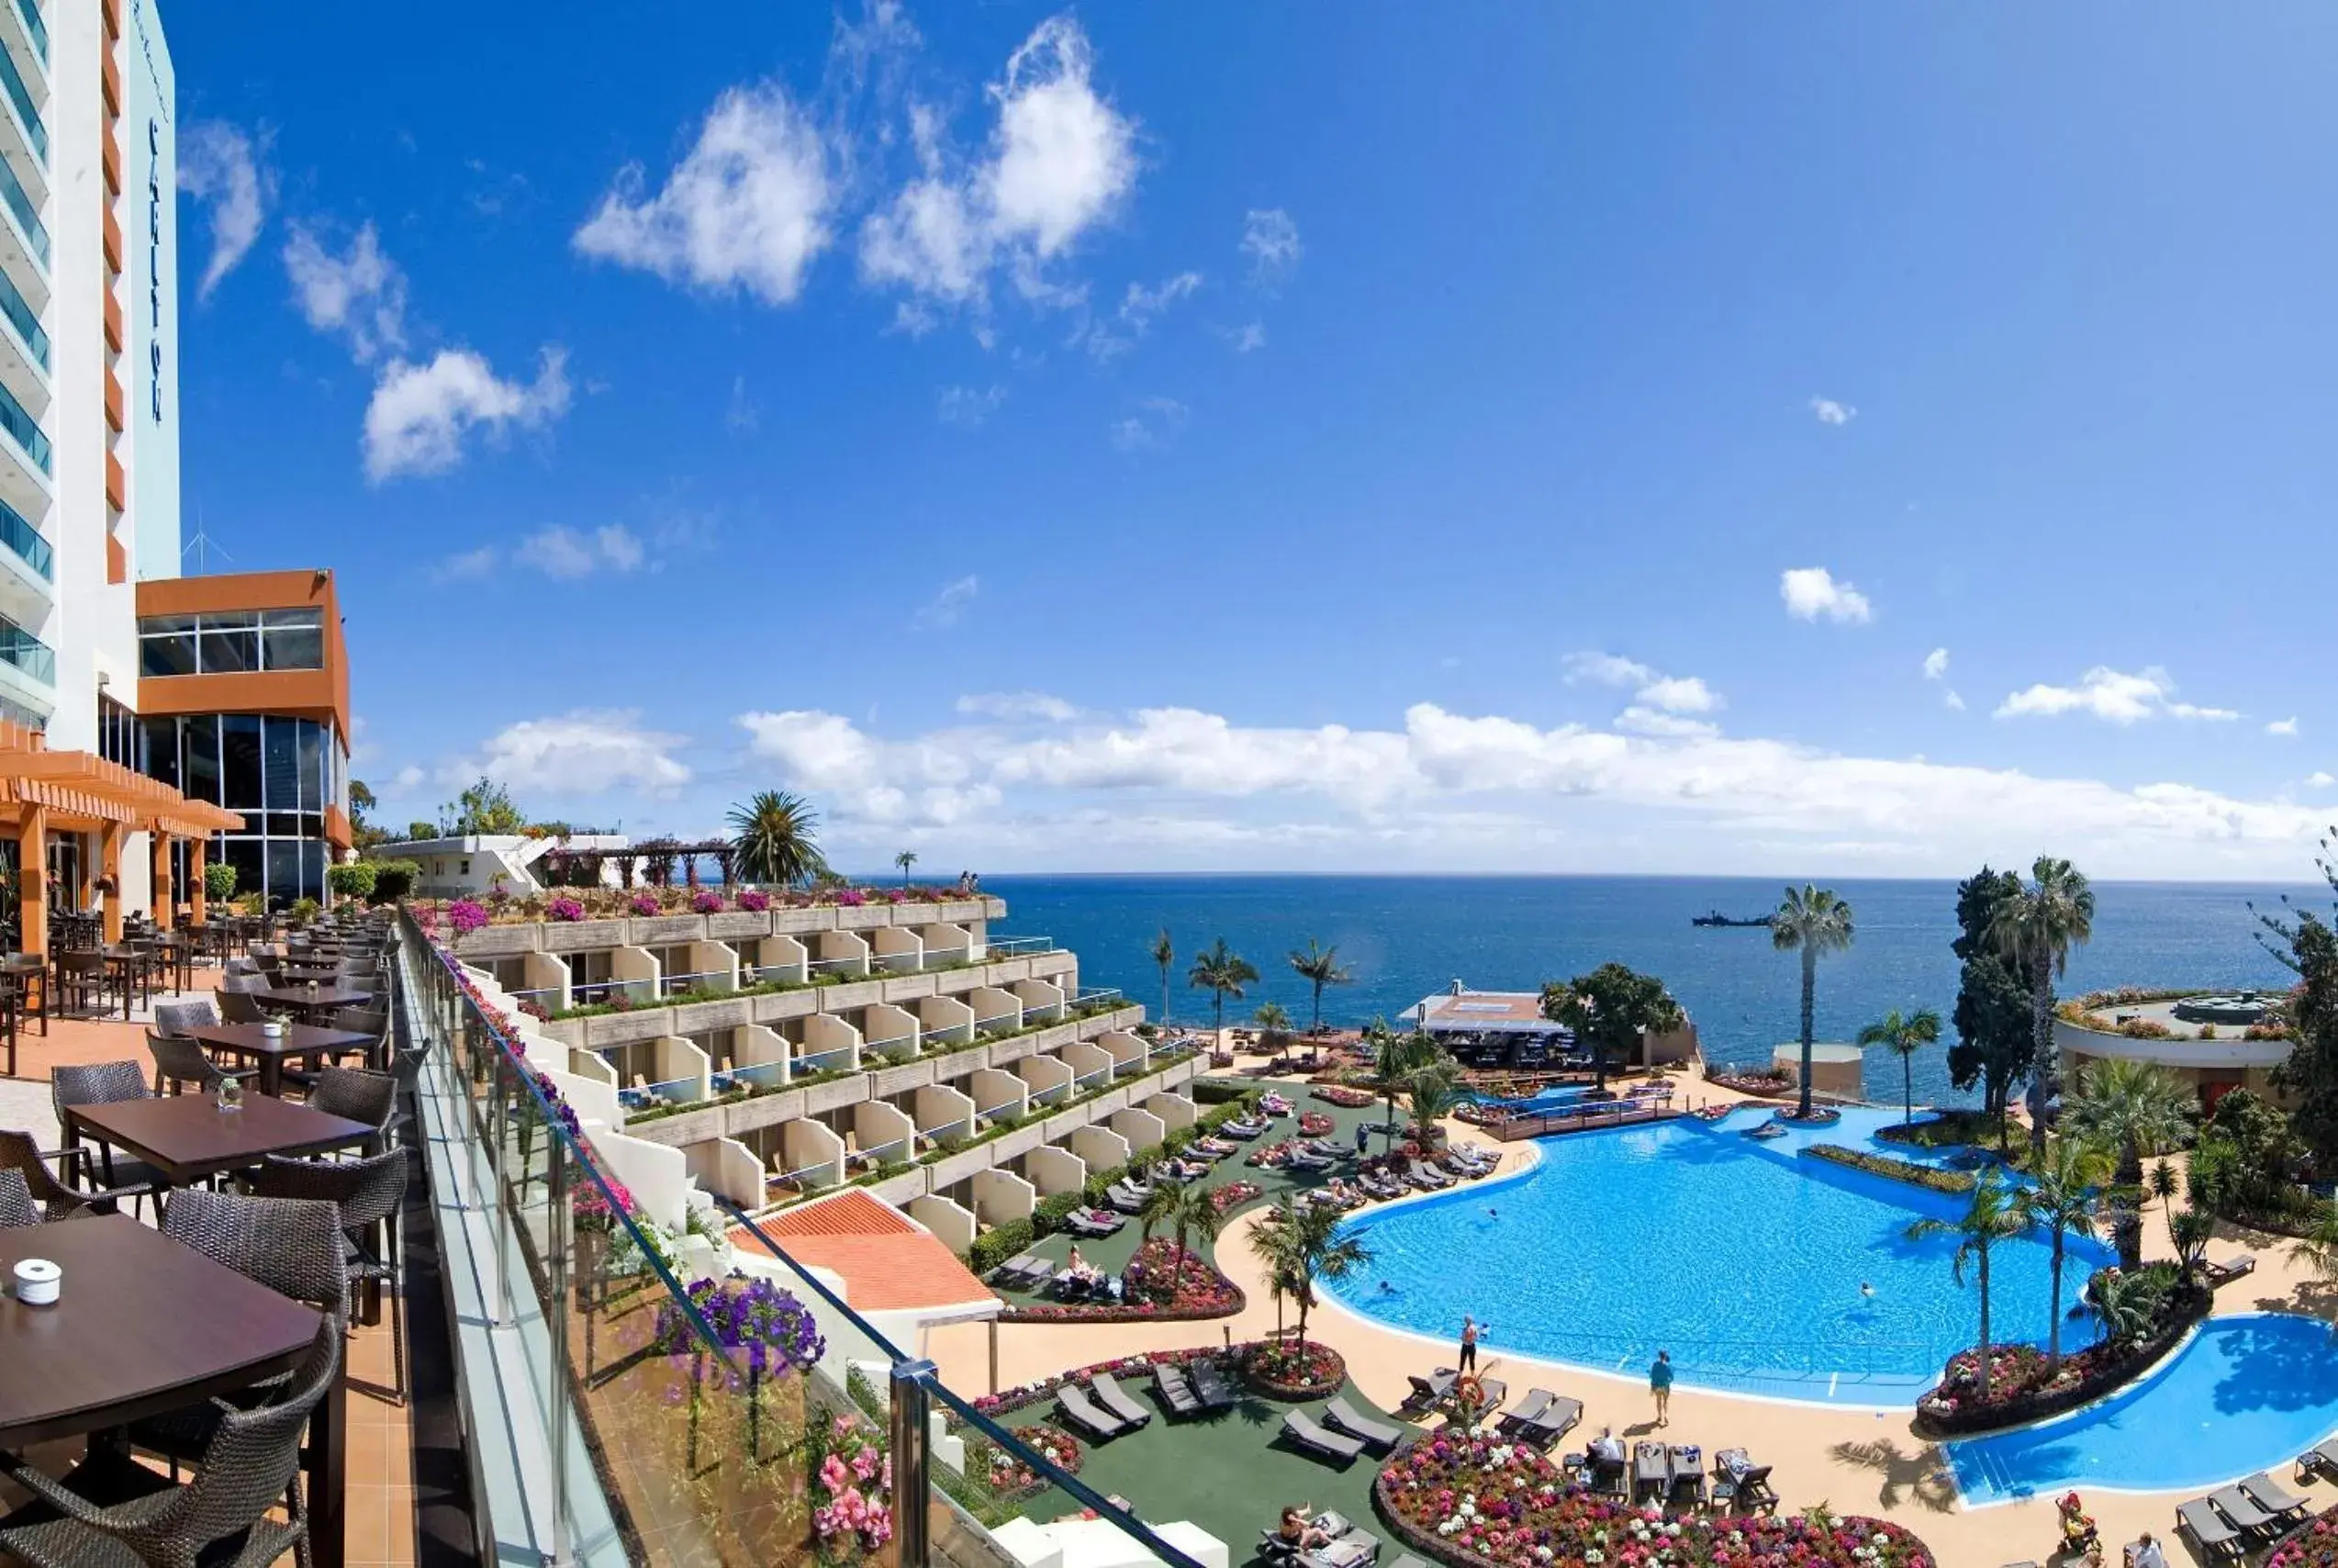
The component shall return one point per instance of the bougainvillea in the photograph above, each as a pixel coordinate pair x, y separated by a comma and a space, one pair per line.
466, 915
754, 900
706, 902
565, 910
644, 905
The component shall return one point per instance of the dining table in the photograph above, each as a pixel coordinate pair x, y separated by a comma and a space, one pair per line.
194, 1137
144, 1325
311, 1000
296, 1042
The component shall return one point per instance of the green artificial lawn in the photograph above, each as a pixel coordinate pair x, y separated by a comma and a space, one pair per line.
1231, 1473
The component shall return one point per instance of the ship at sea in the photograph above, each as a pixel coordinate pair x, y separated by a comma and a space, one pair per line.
1718, 918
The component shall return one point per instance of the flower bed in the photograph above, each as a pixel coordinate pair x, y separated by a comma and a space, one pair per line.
1478, 1503
1154, 1290
1818, 1116
1714, 1113
1762, 1085
1290, 1370
2314, 1544
1233, 1194
2020, 1390
1013, 1481
1345, 1096
1883, 1165
1314, 1124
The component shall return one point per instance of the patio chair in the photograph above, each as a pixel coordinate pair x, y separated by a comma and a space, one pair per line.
182, 1018
104, 1083
17, 1209
1112, 1397
1342, 1417
2274, 1498
1076, 1407
1170, 1382
240, 1006
369, 1195
57, 1199
1301, 1430
80, 983
179, 1061
355, 1094
249, 1465
2210, 1535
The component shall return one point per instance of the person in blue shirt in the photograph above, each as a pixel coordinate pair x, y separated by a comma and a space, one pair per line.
1660, 1383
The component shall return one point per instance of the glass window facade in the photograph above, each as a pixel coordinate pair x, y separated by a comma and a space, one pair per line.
279, 773
232, 642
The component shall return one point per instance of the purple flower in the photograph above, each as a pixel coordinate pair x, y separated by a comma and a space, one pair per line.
707, 904
466, 915
565, 908
754, 900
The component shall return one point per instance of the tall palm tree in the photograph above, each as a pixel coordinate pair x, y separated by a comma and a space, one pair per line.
905, 859
1994, 1215
1906, 1036
1161, 1208
772, 840
1197, 1214
1223, 972
1319, 966
2136, 1109
1395, 1058
1431, 1094
1815, 923
1163, 954
2033, 931
2064, 1196
1305, 1245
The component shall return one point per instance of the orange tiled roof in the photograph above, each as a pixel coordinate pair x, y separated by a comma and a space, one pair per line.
887, 1261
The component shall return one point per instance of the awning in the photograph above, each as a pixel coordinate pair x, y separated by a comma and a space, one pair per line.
85, 792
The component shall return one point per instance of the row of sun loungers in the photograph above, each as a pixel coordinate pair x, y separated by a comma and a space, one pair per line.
1350, 1547
1023, 1272
1093, 1222
2234, 1520
1541, 1419
1102, 1410
1198, 1388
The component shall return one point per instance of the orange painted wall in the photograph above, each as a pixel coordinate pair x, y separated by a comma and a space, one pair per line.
306, 693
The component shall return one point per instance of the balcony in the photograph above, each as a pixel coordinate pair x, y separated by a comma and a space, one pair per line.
28, 656
25, 458
24, 350
25, 146
114, 337
109, 157
27, 570
24, 239
26, 37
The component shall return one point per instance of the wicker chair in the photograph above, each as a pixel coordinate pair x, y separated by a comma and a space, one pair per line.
369, 1193
241, 1007
20, 1154
17, 1210
356, 1095
178, 1062
106, 1084
184, 1017
248, 1463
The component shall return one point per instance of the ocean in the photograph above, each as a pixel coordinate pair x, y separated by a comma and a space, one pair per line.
1405, 938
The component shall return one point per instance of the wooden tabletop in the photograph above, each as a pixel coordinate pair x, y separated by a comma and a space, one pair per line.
320, 996
143, 1324
297, 1040
188, 1138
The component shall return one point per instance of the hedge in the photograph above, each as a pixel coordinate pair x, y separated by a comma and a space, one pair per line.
1220, 1091
1000, 1242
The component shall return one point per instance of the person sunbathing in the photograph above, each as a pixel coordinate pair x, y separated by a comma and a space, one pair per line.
1296, 1533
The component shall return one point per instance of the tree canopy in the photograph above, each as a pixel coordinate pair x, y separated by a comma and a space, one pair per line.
1609, 1010
1993, 1040
2309, 945
485, 808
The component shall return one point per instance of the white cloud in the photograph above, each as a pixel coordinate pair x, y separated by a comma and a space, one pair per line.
1643, 720
586, 752
1812, 591
1249, 338
409, 777
1826, 411
1650, 690
1138, 310
748, 206
2110, 695
969, 406
1017, 706
740, 414
1271, 240
421, 414
944, 608
468, 566
1518, 784
1162, 417
359, 294
1935, 664
2322, 780
1059, 162
568, 552
219, 164
2286, 728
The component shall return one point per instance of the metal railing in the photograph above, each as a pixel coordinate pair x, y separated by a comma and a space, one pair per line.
21, 96
21, 536
30, 11
28, 653
19, 310
649, 1414
1016, 946
12, 191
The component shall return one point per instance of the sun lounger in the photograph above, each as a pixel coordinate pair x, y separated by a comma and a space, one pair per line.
1351, 1548
1553, 1424
1124, 1200
1526, 1410
1342, 1417
2209, 1534
1651, 1469
1408, 1560
1429, 1393
1688, 1473
1210, 1383
1176, 1391
2273, 1497
1077, 1408
2322, 1460
1088, 1222
1754, 1491
1012, 1271
2243, 1515
1112, 1397
2230, 1269
1301, 1430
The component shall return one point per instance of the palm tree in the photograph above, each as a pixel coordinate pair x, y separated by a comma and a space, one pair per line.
2318, 1248
1906, 1035
1305, 1245
1395, 1058
2162, 1186
1319, 966
772, 842
1274, 1026
1815, 923
1197, 1214
2135, 1109
2033, 931
2064, 1193
1223, 972
905, 859
1164, 955
1161, 1209
1431, 1094
1994, 1215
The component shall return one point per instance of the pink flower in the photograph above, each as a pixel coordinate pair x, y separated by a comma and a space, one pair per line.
834, 1476
645, 904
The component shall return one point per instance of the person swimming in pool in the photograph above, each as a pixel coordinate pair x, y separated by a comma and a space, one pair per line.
1867, 1290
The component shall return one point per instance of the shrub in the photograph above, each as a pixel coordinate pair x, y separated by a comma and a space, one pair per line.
219, 880
394, 879
466, 915
1050, 1215
303, 909
754, 900
354, 881
705, 903
1882, 1165
565, 910
998, 1244
644, 905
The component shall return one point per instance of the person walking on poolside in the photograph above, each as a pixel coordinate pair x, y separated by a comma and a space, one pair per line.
1364, 1139
1660, 1383
1469, 1345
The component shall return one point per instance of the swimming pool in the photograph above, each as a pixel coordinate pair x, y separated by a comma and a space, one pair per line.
2245, 1394
1743, 1261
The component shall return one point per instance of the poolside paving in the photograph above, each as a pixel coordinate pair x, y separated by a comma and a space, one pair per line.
1854, 1460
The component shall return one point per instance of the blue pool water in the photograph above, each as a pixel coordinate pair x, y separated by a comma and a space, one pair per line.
1742, 1260
2244, 1394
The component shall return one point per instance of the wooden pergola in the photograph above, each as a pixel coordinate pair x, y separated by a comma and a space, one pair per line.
44, 791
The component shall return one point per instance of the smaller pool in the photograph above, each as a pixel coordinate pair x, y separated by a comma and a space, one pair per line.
1557, 1097
2245, 1394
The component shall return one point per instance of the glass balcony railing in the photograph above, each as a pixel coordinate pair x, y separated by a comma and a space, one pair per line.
30, 11
21, 312
27, 541
21, 96
24, 427
12, 191
29, 654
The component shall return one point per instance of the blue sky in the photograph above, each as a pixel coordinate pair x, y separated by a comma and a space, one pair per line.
1664, 438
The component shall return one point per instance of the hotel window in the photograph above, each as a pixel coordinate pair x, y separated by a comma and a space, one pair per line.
119, 737
232, 642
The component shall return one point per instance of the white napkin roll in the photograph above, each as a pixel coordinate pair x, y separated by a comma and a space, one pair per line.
37, 1282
